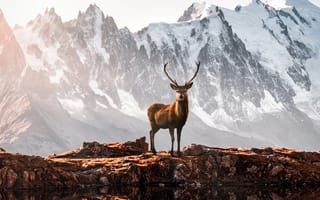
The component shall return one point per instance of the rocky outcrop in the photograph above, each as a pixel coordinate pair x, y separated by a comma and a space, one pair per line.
97, 150
130, 164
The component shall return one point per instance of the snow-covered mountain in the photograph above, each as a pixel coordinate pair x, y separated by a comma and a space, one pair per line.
86, 79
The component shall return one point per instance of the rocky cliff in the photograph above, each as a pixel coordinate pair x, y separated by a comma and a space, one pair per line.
131, 165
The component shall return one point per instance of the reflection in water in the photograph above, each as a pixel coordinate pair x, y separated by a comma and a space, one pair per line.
120, 192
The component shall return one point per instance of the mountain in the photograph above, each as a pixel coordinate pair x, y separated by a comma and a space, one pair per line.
86, 79
53, 86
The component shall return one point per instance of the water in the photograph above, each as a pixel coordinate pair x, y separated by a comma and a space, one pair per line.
232, 193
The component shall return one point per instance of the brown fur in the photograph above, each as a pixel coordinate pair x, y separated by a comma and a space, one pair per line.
168, 116
172, 116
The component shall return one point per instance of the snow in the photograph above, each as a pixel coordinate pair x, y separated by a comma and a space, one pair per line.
166, 34
57, 77
204, 116
269, 105
81, 56
23, 73
101, 104
308, 102
310, 34
273, 56
311, 109
130, 106
199, 10
27, 37
276, 4
314, 71
94, 86
97, 39
72, 106
219, 119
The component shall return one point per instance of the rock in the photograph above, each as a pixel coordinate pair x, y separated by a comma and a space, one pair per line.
129, 164
253, 169
276, 170
194, 150
97, 150
8, 177
104, 180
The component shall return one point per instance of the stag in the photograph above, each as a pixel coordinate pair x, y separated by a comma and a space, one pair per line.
172, 116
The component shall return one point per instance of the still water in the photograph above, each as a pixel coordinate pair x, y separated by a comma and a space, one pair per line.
232, 193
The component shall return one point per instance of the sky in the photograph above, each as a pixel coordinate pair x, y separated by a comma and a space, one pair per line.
134, 14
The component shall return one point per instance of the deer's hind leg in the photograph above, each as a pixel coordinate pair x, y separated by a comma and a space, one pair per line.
153, 131
171, 131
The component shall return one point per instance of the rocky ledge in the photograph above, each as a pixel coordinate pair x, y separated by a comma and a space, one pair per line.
130, 164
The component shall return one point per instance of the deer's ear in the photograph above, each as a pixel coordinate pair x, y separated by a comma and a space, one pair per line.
173, 86
189, 85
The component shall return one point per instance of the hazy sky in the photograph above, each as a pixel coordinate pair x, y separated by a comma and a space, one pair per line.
135, 14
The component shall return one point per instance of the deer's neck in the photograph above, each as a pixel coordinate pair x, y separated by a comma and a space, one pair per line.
181, 108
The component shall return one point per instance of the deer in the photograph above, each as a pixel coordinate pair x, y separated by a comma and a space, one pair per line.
172, 116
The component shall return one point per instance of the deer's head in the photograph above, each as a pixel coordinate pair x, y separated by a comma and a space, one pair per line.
181, 90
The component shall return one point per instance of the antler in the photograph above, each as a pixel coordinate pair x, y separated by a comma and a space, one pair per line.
165, 71
195, 74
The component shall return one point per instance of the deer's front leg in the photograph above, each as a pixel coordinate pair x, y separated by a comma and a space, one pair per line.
152, 133
171, 130
179, 137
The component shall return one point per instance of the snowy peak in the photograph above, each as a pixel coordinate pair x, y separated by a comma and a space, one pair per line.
199, 11
195, 11
92, 13
110, 24
93, 10
204, 8
93, 22
49, 16
48, 26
